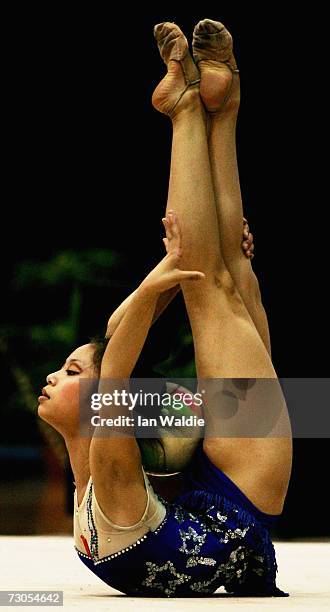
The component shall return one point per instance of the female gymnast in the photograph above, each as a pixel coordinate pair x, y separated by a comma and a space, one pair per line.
217, 532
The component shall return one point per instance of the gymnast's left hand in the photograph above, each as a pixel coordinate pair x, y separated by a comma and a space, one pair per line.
167, 273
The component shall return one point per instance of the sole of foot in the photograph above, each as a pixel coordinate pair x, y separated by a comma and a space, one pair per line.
213, 53
179, 89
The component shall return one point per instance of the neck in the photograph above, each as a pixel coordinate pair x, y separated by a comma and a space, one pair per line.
78, 449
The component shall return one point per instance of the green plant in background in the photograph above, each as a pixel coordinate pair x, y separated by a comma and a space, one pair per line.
179, 363
41, 347
65, 269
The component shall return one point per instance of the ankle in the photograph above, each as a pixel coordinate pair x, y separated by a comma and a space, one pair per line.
190, 104
227, 119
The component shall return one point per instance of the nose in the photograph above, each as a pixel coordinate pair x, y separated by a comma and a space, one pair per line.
50, 379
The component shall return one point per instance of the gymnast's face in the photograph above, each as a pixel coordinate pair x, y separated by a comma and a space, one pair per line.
59, 404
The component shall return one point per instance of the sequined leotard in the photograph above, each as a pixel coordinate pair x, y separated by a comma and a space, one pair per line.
210, 536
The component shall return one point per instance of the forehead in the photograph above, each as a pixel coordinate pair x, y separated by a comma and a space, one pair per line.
83, 353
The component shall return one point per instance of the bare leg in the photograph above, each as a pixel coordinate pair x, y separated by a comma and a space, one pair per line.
227, 343
220, 92
229, 205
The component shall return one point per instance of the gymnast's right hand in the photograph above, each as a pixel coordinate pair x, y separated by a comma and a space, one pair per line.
167, 273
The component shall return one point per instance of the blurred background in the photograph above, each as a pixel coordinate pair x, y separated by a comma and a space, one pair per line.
86, 170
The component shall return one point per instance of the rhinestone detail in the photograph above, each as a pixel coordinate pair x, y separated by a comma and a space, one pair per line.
94, 548
120, 552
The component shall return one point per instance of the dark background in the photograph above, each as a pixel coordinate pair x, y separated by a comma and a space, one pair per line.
86, 166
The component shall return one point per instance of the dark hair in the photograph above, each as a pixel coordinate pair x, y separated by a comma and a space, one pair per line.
100, 343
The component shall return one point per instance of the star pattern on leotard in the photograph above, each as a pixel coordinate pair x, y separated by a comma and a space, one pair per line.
167, 585
191, 534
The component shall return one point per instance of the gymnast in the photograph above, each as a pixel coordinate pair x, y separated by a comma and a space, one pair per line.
218, 531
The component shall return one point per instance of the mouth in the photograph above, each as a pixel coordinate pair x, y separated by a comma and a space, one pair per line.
44, 396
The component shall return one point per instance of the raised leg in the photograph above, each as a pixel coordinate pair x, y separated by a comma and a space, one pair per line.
227, 343
220, 92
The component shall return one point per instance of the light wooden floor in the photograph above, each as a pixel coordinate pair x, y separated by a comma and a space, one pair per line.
50, 563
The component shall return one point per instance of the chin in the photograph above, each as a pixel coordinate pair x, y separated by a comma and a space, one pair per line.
42, 413
39, 410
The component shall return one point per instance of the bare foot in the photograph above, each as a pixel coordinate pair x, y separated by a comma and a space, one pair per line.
179, 89
213, 53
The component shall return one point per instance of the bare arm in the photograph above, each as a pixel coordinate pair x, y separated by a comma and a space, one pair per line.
162, 302
164, 299
130, 334
127, 341
114, 458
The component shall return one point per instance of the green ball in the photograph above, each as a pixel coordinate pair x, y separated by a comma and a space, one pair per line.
168, 453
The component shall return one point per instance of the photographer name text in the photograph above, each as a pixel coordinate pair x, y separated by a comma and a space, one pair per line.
140, 421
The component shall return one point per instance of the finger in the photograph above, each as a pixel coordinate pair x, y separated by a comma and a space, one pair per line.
252, 256
174, 256
251, 248
245, 244
251, 237
185, 275
177, 251
174, 225
165, 241
246, 232
244, 220
167, 228
170, 218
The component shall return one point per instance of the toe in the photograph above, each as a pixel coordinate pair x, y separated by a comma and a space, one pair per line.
162, 29
211, 40
167, 29
210, 26
171, 41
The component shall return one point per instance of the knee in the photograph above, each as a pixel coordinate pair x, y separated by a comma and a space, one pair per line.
223, 280
246, 282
